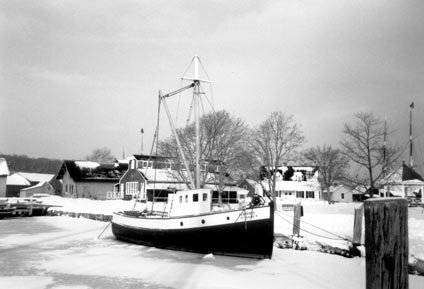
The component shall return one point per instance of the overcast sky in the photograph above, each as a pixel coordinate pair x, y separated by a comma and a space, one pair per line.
79, 75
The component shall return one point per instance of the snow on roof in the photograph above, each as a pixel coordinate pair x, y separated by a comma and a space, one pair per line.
87, 164
39, 185
251, 182
160, 175
35, 177
17, 180
4, 169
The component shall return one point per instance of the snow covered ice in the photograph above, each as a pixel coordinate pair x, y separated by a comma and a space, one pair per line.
64, 252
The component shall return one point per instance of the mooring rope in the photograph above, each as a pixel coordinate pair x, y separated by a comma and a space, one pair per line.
317, 235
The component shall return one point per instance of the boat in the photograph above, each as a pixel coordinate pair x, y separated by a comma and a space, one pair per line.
191, 221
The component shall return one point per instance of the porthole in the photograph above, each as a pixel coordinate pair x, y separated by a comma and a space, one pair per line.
181, 224
203, 221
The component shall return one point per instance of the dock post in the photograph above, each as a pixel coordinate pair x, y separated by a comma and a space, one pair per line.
296, 219
386, 243
30, 207
357, 225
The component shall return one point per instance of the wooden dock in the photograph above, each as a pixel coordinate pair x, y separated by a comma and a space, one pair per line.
22, 207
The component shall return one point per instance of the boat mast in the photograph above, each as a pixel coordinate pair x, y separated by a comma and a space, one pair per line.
411, 162
196, 95
196, 103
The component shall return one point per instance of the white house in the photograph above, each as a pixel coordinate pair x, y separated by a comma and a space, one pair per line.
295, 183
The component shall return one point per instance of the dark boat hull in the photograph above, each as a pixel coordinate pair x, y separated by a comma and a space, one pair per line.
242, 237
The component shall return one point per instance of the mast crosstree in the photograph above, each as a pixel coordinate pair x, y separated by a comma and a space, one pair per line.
195, 84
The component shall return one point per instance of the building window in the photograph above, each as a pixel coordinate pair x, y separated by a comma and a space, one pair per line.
195, 197
205, 196
131, 188
181, 199
300, 194
147, 164
310, 195
186, 198
342, 196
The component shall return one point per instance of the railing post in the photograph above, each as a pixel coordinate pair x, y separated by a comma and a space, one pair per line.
386, 243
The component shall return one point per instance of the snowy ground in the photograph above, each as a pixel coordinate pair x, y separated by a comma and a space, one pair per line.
64, 252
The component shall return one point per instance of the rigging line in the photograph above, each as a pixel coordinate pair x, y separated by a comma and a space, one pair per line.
209, 79
156, 155
207, 98
188, 67
328, 232
419, 154
314, 234
178, 104
155, 139
316, 227
201, 104
190, 111
204, 70
242, 211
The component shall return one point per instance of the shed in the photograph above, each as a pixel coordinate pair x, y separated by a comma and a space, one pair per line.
15, 183
41, 188
4, 172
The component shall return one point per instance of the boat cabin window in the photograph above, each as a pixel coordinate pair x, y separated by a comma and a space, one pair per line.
205, 196
195, 197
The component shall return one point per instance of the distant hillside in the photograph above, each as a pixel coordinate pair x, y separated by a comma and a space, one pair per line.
23, 163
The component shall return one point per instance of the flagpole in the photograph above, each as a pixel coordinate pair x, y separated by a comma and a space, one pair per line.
142, 132
411, 162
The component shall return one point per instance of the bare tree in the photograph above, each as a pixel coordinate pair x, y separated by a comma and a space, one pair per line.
101, 155
274, 142
364, 145
222, 140
332, 164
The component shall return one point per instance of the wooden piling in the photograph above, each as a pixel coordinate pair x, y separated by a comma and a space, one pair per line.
296, 219
357, 225
30, 208
386, 243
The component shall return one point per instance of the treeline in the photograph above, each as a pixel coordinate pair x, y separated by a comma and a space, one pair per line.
23, 163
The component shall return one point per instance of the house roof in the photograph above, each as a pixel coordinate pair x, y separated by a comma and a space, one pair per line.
410, 174
346, 188
148, 157
35, 177
85, 171
17, 180
4, 169
402, 174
